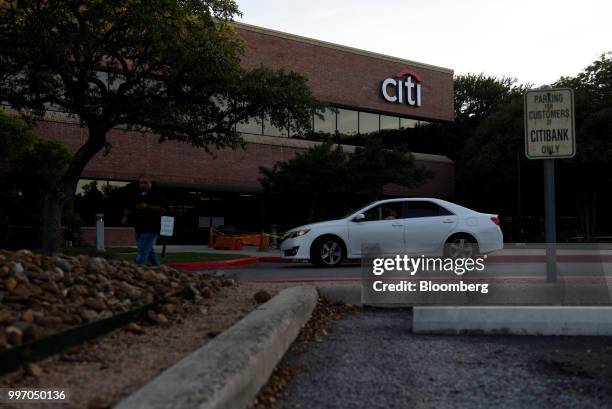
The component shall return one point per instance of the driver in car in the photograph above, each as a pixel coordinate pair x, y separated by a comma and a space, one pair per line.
390, 214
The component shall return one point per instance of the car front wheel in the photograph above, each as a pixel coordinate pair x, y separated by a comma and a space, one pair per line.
327, 252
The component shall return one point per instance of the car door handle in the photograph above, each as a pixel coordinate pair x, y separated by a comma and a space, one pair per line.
448, 221
397, 224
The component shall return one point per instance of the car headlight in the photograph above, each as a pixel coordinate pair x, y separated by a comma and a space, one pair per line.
296, 233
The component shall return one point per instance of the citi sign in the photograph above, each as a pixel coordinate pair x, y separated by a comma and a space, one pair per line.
406, 88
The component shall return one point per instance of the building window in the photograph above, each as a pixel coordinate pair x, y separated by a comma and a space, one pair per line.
84, 185
348, 122
271, 130
252, 125
297, 132
389, 122
408, 123
327, 124
368, 123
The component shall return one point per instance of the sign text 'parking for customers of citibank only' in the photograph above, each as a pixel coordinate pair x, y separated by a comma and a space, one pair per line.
549, 124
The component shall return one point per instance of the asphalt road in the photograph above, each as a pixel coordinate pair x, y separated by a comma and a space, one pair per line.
293, 272
303, 272
373, 360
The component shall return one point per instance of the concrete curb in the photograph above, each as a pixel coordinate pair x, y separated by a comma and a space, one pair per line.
229, 371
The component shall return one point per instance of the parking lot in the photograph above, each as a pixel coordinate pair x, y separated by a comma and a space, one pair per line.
373, 360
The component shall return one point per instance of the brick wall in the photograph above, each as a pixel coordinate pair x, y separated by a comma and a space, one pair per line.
133, 154
348, 77
113, 236
336, 74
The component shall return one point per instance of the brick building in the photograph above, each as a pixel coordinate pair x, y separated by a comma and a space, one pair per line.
370, 91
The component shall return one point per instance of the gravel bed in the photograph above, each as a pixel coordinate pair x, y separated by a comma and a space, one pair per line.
102, 372
45, 294
373, 360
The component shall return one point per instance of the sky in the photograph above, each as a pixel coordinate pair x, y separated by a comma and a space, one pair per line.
534, 41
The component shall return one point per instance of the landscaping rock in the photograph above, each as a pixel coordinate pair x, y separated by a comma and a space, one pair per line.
13, 335
33, 370
17, 268
41, 294
135, 328
167, 309
262, 296
96, 264
191, 292
159, 319
24, 253
64, 264
207, 293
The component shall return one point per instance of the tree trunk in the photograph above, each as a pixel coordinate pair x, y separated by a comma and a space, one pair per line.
64, 192
53, 208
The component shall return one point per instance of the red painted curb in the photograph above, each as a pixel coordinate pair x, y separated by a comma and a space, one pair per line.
570, 258
276, 259
301, 280
211, 265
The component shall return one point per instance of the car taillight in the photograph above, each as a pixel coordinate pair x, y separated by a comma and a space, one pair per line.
495, 219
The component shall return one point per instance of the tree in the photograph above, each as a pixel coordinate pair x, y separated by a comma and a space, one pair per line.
477, 96
372, 166
163, 66
317, 176
16, 138
588, 173
30, 168
490, 127
331, 180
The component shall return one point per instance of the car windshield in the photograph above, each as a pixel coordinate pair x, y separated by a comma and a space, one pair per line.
355, 209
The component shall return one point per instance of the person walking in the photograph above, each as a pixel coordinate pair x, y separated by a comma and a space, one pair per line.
145, 214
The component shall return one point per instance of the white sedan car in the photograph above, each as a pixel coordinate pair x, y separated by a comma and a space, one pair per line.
419, 226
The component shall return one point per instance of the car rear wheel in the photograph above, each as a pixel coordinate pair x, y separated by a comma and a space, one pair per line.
461, 246
327, 251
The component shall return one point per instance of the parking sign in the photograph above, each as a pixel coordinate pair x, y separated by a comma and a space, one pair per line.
549, 124
167, 226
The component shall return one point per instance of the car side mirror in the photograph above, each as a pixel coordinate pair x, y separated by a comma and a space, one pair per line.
359, 218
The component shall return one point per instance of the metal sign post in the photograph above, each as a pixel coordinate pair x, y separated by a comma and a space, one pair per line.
550, 228
550, 135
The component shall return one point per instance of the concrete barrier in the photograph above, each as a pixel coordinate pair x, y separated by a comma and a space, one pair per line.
228, 371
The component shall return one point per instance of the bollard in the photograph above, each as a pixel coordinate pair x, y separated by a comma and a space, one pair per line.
100, 232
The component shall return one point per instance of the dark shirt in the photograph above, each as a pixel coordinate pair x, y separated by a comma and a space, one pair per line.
147, 220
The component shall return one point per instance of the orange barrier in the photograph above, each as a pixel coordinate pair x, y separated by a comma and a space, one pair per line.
220, 240
261, 240
227, 243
